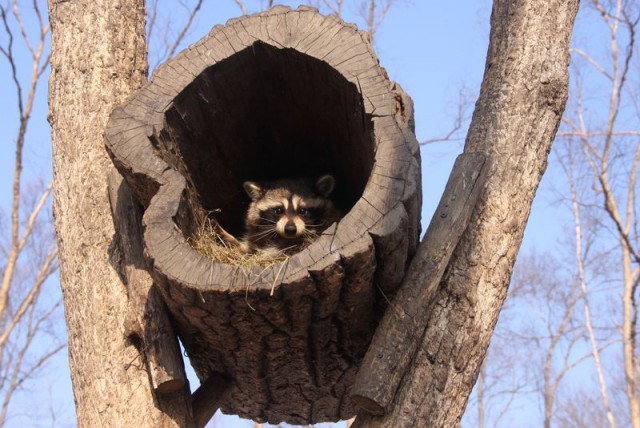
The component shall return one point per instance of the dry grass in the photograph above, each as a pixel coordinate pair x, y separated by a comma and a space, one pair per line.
209, 242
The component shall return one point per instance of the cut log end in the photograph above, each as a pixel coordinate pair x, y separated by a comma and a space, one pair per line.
170, 386
207, 399
368, 405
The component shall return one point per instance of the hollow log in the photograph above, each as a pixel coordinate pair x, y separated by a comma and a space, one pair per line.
285, 93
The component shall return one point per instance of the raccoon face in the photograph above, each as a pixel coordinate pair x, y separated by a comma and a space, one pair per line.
285, 213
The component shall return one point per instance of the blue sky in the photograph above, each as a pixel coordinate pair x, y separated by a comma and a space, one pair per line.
431, 48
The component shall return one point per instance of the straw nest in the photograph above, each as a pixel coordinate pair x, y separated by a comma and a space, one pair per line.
213, 242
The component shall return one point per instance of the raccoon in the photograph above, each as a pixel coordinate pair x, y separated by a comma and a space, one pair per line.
287, 215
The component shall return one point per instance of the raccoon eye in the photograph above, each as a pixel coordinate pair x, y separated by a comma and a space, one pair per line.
310, 212
277, 210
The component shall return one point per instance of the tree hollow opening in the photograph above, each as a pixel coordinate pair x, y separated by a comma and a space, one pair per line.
267, 113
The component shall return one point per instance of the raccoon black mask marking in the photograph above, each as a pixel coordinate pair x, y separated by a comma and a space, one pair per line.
284, 214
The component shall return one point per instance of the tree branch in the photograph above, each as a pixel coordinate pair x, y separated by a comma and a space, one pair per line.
513, 107
46, 269
184, 30
242, 7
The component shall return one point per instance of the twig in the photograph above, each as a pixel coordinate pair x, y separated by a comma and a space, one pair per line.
186, 27
242, 7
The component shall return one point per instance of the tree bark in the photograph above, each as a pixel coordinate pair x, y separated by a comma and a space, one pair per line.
522, 99
395, 342
98, 59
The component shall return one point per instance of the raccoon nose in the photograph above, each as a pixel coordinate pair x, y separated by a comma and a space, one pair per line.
290, 229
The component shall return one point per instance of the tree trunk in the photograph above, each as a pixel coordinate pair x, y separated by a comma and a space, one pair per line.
98, 59
517, 115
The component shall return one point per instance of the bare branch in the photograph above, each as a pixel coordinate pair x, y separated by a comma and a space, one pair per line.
587, 135
593, 62
8, 53
17, 243
170, 42
186, 27
335, 7
587, 310
242, 7
458, 122
373, 13
16, 14
47, 268
44, 27
152, 16
27, 268
18, 246
480, 393
18, 372
631, 201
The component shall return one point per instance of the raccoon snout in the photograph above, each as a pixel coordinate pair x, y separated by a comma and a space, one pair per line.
290, 230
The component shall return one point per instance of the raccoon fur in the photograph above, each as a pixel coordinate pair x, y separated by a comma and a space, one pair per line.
287, 215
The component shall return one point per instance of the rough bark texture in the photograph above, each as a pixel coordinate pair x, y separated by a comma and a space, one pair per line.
521, 102
395, 341
285, 93
147, 323
98, 58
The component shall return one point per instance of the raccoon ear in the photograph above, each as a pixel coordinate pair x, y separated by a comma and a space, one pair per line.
325, 185
253, 189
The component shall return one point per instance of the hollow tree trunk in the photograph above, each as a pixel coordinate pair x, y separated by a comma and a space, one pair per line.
98, 58
280, 94
522, 99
